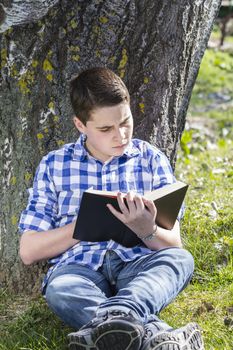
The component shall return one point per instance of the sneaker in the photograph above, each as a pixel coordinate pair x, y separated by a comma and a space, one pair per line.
185, 338
116, 330
81, 340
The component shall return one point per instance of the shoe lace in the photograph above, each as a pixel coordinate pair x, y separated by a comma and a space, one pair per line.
117, 313
148, 334
109, 314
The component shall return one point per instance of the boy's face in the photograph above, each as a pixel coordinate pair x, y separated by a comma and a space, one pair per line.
108, 131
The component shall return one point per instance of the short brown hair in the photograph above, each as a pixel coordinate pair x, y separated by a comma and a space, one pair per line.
96, 87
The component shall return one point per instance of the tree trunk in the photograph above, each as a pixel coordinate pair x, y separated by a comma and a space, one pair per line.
155, 46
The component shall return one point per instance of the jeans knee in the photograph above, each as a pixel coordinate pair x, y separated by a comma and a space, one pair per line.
187, 259
180, 260
186, 262
53, 294
62, 303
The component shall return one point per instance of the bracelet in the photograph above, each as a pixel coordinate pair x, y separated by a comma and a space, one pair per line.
150, 236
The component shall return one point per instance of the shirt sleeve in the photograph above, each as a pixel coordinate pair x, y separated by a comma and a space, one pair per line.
163, 175
40, 213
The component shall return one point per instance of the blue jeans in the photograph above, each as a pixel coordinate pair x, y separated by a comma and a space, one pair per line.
143, 286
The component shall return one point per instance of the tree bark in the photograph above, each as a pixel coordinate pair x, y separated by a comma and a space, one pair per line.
155, 46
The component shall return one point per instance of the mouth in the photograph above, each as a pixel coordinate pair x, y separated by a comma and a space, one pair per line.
121, 146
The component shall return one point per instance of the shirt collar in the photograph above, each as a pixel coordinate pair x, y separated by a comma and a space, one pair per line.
80, 152
131, 150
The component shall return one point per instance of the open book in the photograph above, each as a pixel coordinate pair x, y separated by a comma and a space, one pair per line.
95, 222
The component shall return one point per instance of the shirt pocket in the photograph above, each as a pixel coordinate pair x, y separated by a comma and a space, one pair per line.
69, 202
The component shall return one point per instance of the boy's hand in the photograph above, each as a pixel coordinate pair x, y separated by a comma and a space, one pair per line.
140, 214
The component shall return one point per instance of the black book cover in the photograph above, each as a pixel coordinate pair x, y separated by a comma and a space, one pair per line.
96, 223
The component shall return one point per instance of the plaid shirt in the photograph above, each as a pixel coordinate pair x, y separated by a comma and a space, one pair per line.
64, 174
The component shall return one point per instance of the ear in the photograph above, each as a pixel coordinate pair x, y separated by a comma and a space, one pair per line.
79, 125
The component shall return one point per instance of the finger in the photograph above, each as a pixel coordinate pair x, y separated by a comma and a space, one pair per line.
150, 206
130, 202
139, 203
122, 204
116, 213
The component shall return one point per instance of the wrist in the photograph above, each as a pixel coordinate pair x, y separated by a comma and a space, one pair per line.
150, 236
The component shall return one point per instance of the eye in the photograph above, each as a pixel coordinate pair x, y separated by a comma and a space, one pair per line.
104, 130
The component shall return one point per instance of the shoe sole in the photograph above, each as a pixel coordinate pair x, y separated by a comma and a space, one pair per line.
189, 339
76, 346
76, 343
117, 335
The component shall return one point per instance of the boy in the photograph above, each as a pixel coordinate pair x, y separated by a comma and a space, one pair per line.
111, 293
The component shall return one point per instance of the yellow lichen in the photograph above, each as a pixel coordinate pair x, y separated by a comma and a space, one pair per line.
25, 81
73, 24
27, 176
122, 73
3, 54
142, 107
98, 53
75, 58
3, 58
124, 59
103, 20
50, 53
35, 63
14, 220
49, 77
74, 48
123, 63
40, 136
51, 105
23, 86
13, 180
146, 80
56, 118
60, 143
47, 66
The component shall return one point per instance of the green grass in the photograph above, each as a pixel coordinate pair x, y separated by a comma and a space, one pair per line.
29, 325
205, 161
207, 232
215, 76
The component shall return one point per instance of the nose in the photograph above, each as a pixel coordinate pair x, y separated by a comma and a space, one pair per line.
119, 134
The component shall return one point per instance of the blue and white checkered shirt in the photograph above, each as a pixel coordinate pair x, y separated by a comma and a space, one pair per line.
64, 174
